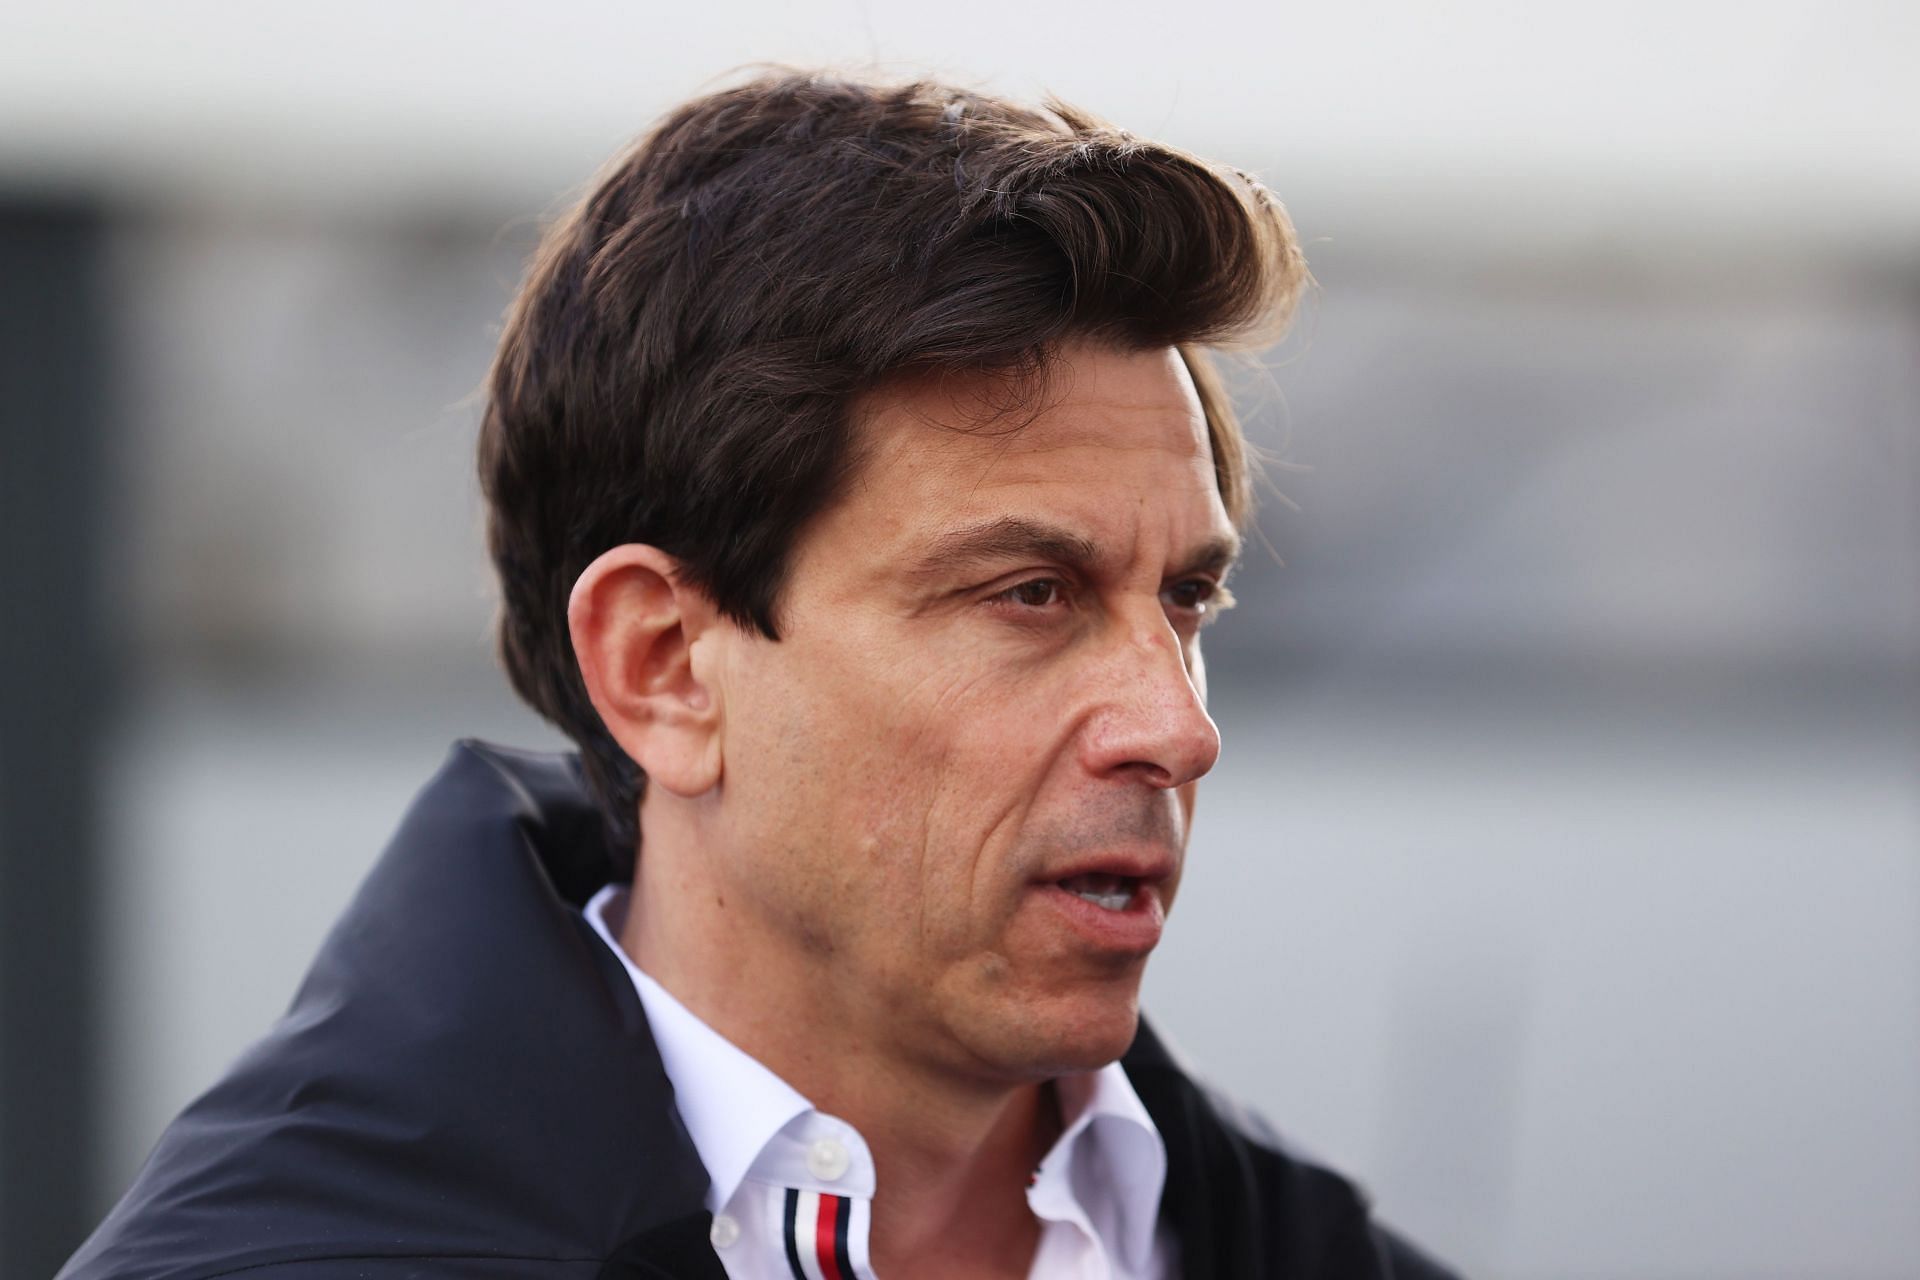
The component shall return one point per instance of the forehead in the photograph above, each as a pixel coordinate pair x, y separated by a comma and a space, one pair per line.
1109, 439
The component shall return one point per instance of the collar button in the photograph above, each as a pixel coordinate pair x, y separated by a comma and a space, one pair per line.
827, 1159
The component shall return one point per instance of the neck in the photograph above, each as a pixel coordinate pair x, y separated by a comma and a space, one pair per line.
957, 1204
952, 1151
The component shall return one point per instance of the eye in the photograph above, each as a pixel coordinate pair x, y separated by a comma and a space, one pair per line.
1201, 596
1034, 593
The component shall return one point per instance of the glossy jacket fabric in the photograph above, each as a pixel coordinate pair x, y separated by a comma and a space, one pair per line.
465, 1089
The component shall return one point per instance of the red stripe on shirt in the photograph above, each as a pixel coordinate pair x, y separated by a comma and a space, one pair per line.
823, 1239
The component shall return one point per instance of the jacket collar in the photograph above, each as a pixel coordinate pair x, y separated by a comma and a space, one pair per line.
464, 1072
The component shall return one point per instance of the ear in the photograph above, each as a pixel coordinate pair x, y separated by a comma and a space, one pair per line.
637, 630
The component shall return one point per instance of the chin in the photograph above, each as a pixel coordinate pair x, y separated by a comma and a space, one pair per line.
1068, 1035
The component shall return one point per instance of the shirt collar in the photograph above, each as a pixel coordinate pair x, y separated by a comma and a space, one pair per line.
732, 1105
1109, 1140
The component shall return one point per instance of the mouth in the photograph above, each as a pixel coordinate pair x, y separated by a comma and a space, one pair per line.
1108, 892
1111, 912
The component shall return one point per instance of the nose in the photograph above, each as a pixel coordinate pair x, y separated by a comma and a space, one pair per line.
1153, 723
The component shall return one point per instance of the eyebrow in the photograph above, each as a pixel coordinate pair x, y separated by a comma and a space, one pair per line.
1019, 537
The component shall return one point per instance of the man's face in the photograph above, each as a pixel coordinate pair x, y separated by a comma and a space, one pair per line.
956, 792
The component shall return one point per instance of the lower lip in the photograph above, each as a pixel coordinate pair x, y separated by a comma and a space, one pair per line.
1132, 931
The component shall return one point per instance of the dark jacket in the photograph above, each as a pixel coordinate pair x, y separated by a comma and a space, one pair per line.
465, 1086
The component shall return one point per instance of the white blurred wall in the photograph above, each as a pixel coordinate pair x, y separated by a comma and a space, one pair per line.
1768, 119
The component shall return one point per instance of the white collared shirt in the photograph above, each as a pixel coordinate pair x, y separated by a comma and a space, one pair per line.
791, 1188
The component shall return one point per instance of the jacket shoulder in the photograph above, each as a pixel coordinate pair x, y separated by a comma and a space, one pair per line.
363, 1267
465, 1084
1407, 1262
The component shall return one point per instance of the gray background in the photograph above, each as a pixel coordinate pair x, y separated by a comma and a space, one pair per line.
1561, 877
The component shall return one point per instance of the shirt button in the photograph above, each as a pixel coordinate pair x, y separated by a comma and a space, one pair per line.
725, 1231
827, 1160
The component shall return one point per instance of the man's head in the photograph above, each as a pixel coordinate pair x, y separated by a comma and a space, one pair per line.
864, 432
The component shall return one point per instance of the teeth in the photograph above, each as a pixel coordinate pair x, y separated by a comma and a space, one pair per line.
1111, 892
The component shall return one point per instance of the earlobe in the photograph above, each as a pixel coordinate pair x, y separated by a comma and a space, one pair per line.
636, 625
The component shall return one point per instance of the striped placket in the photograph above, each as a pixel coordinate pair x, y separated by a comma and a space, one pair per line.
815, 1233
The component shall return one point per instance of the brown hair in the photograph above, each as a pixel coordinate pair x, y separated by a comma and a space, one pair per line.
681, 364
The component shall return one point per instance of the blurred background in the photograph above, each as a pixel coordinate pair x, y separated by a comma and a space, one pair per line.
1561, 879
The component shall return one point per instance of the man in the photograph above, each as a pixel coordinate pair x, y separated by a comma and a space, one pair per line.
859, 493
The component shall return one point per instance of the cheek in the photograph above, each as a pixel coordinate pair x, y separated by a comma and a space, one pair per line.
946, 791
842, 765
895, 784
